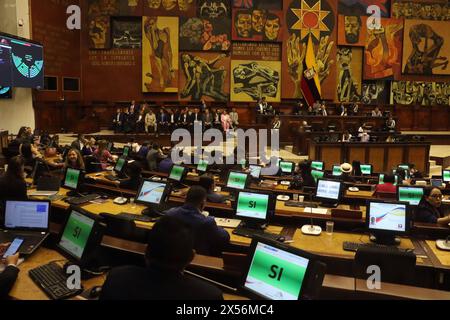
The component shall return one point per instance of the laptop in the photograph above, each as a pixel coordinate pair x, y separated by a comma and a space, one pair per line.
27, 220
46, 186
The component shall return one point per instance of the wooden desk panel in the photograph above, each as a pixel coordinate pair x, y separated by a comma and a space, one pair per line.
442, 256
376, 158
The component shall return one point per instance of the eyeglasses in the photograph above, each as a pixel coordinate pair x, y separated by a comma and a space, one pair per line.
437, 196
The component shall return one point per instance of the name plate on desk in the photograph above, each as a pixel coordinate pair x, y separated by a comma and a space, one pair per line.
348, 214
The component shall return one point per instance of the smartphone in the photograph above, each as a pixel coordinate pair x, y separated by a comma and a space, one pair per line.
13, 248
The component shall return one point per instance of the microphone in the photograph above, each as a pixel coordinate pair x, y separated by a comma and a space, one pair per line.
311, 229
120, 200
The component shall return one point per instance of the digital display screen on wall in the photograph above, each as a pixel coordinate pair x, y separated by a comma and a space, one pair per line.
5, 92
21, 63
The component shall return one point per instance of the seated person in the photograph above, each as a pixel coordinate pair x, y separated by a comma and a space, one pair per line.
9, 275
74, 160
154, 156
388, 186
403, 179
102, 154
377, 112
12, 182
347, 136
209, 239
305, 173
390, 124
165, 165
29, 154
346, 169
170, 249
89, 148
209, 184
134, 174
79, 142
430, 208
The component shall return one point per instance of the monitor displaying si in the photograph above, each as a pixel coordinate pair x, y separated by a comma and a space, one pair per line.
446, 175
366, 169
31, 215
202, 165
126, 151
337, 170
72, 179
120, 165
317, 174
287, 167
152, 193
177, 173
80, 237
317, 165
237, 180
276, 272
387, 216
409, 194
255, 171
252, 205
328, 190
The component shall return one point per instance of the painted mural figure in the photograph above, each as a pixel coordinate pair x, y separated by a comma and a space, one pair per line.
347, 88
426, 45
255, 80
161, 52
203, 78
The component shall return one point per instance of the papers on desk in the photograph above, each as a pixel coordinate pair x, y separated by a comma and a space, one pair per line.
315, 210
42, 193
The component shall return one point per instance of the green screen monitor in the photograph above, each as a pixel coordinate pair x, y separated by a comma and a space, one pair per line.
120, 165
446, 175
237, 180
317, 165
287, 167
317, 174
366, 169
126, 151
80, 237
72, 179
202, 165
337, 170
276, 272
177, 173
254, 206
413, 195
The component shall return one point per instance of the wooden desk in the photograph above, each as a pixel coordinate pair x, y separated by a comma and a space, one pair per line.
383, 156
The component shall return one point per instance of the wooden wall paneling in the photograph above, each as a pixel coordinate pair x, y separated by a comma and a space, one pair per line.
331, 155
376, 158
356, 153
405, 116
422, 118
416, 155
440, 118
395, 156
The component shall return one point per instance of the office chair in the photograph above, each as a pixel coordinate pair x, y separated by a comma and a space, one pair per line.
91, 164
386, 195
395, 266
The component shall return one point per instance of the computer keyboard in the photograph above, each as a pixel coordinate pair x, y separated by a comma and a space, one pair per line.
84, 199
53, 281
250, 233
137, 217
300, 204
111, 177
354, 246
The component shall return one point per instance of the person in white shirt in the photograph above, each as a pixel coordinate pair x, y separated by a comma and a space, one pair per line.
344, 111
234, 118
323, 110
276, 123
150, 121
377, 112
347, 136
390, 124
262, 106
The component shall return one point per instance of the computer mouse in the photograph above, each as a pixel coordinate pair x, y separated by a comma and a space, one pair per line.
281, 239
95, 292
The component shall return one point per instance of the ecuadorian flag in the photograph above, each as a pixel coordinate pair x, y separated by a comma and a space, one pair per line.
310, 83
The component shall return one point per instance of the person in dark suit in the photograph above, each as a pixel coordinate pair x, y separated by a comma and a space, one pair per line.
162, 121
9, 275
430, 208
209, 238
170, 249
172, 119
79, 142
154, 156
134, 177
207, 182
118, 121
12, 183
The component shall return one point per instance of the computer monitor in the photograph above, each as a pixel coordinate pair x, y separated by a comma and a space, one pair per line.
446, 175
279, 272
337, 170
381, 179
109, 146
317, 174
40, 168
237, 180
253, 207
177, 173
72, 179
385, 219
152, 193
366, 169
328, 192
409, 194
436, 183
120, 165
255, 171
287, 167
80, 237
317, 165
202, 165
27, 215
126, 151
